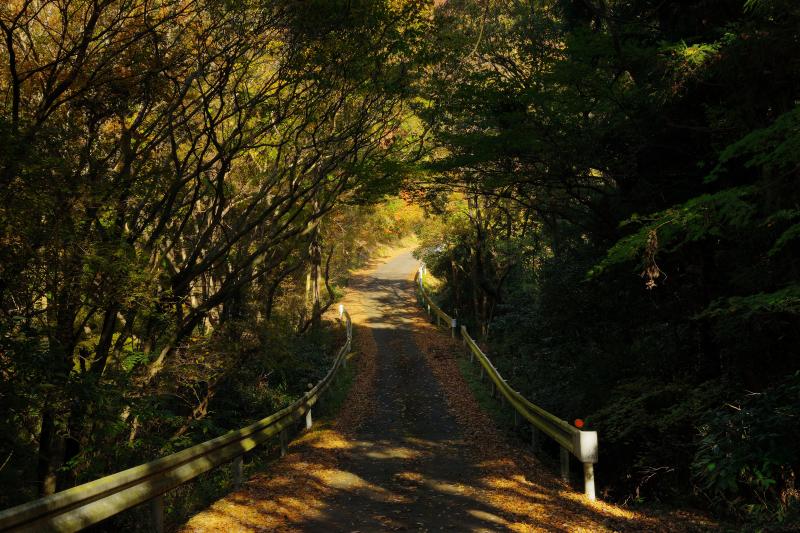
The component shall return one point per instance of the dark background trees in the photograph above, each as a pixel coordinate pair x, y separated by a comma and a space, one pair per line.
627, 175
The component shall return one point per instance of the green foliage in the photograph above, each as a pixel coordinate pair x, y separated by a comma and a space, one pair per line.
745, 451
649, 428
784, 301
717, 215
786, 238
692, 55
598, 145
774, 150
177, 212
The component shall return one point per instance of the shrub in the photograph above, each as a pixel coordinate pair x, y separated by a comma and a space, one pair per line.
749, 453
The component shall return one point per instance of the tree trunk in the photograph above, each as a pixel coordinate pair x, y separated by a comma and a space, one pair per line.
45, 468
80, 406
315, 255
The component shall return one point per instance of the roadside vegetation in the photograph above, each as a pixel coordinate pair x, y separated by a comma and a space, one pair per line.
613, 190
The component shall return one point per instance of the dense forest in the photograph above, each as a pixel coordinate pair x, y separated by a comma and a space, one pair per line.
617, 189
611, 194
181, 182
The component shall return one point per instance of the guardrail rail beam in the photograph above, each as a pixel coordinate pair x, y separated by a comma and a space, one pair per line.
571, 440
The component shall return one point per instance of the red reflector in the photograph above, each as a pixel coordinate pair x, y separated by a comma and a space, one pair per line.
578, 423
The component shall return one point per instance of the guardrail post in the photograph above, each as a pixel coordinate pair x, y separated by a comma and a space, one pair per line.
494, 389
564, 464
452, 328
534, 440
284, 442
237, 472
157, 513
588, 481
585, 445
309, 421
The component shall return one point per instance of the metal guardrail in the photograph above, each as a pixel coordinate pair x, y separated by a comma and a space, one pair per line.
433, 309
90, 503
581, 444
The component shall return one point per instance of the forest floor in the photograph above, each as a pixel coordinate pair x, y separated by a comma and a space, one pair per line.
411, 450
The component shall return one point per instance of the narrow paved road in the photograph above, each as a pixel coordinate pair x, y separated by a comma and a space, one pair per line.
397, 458
410, 451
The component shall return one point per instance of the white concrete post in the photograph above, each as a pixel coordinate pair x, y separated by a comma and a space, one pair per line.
588, 481
309, 421
586, 450
341, 310
585, 445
